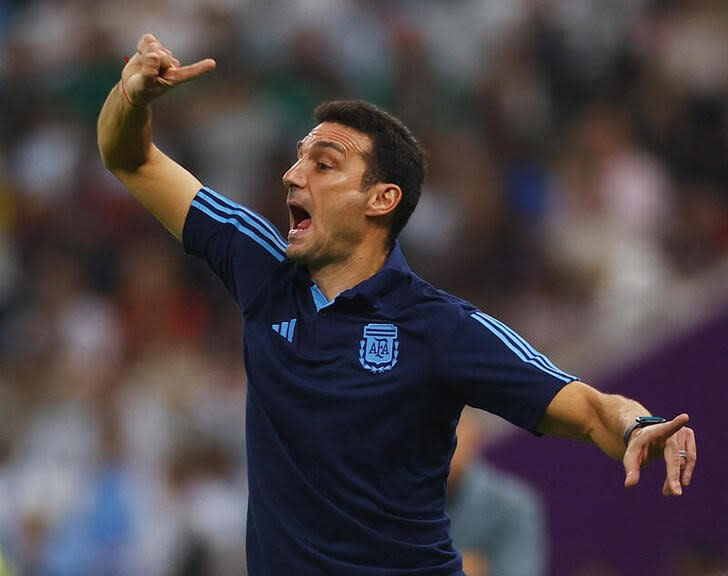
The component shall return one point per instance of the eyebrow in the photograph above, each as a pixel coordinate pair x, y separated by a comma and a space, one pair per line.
323, 144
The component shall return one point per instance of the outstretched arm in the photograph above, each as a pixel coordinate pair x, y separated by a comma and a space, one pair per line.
162, 186
582, 412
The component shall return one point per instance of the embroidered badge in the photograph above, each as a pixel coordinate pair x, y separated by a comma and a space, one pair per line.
379, 347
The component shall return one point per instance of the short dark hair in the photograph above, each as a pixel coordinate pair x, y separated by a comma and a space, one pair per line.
397, 157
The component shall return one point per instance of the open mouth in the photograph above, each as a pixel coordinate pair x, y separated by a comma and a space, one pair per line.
300, 219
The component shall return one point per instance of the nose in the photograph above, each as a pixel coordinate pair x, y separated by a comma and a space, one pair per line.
293, 178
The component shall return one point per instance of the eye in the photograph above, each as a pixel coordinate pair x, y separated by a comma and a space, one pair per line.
323, 166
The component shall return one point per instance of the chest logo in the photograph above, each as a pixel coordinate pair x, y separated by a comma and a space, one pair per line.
285, 329
379, 347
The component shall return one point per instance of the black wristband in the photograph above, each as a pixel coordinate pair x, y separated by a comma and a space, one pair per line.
641, 422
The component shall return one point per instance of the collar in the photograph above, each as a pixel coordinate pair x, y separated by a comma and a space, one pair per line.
371, 290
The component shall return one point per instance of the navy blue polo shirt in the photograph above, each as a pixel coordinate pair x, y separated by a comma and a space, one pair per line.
352, 404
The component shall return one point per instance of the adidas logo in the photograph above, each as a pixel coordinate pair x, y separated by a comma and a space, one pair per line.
285, 329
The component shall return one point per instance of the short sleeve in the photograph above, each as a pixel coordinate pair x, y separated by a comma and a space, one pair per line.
495, 369
241, 247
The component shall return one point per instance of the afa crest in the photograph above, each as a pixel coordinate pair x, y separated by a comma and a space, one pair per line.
379, 347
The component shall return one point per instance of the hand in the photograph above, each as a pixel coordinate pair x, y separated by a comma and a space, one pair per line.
667, 440
153, 70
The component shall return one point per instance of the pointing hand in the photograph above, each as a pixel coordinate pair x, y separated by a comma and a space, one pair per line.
153, 70
671, 440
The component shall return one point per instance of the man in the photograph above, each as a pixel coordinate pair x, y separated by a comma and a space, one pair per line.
357, 369
496, 521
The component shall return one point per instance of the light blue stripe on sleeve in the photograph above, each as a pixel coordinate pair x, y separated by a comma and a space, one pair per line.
517, 350
274, 233
527, 350
291, 328
244, 214
524, 355
524, 346
520, 339
235, 222
530, 350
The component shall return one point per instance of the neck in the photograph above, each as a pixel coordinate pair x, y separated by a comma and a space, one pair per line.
337, 276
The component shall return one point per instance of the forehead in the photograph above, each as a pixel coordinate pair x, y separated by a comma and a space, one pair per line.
340, 136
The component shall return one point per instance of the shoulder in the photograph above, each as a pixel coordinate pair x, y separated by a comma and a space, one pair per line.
432, 300
421, 308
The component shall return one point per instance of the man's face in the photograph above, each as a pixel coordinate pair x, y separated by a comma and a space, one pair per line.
325, 197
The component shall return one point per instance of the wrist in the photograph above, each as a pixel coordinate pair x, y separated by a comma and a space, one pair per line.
125, 95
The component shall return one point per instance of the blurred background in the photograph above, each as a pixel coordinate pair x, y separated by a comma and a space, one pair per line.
577, 189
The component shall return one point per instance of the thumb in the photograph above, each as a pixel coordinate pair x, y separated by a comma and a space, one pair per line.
667, 429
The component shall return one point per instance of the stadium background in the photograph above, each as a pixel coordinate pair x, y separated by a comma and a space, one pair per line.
578, 189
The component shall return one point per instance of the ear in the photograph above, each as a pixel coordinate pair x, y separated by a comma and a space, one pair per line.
383, 199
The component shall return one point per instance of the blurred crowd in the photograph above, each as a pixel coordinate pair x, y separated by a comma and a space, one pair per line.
578, 166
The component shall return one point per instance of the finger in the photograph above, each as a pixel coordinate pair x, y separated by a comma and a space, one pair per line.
672, 464
167, 55
632, 461
151, 64
172, 59
185, 73
667, 429
166, 60
145, 40
691, 449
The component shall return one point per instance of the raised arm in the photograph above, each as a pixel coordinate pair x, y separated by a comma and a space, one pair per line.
162, 186
582, 412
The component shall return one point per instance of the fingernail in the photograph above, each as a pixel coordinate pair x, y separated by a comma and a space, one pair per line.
677, 489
